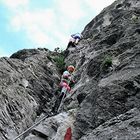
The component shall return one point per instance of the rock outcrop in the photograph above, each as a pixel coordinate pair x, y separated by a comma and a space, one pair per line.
123, 127
27, 83
108, 67
54, 128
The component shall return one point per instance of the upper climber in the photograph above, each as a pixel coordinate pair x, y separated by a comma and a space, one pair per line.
74, 39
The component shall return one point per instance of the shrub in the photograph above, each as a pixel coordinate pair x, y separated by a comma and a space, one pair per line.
60, 63
107, 62
134, 18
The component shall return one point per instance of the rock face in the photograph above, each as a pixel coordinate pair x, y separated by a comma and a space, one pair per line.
106, 95
27, 83
54, 128
123, 127
107, 60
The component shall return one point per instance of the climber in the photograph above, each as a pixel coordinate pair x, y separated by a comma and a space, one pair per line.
66, 80
75, 38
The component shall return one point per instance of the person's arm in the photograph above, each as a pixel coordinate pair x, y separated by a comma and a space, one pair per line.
71, 78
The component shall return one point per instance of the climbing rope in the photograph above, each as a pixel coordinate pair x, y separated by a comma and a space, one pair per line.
30, 128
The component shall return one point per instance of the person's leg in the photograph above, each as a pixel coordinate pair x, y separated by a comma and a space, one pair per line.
57, 102
69, 44
73, 44
76, 41
61, 96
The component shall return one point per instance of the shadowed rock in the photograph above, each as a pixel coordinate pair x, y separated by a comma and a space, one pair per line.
26, 89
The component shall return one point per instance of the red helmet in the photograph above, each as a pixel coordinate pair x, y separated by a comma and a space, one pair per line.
71, 68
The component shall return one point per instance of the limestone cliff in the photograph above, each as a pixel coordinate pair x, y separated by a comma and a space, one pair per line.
108, 71
105, 104
27, 83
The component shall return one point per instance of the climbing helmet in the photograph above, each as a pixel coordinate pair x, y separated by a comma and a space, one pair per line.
71, 68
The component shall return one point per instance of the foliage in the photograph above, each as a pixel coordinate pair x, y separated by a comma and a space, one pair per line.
58, 50
134, 18
60, 63
107, 62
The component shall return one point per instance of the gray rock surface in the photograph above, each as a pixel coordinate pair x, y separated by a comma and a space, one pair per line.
54, 128
105, 90
106, 94
26, 89
123, 127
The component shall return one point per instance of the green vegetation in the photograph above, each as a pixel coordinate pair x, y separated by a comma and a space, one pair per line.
60, 63
107, 62
134, 18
